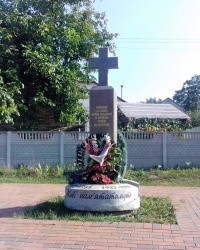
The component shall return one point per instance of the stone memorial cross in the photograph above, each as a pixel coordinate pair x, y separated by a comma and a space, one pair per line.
103, 100
103, 64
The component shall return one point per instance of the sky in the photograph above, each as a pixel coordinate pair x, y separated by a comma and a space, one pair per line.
158, 46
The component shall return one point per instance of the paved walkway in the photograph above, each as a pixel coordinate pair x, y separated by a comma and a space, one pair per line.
34, 234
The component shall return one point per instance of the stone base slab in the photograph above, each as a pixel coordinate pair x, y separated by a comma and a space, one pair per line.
103, 198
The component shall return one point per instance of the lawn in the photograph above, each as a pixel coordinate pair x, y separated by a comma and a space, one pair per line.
152, 210
188, 177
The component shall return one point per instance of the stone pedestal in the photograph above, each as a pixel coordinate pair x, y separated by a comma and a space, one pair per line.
103, 111
103, 198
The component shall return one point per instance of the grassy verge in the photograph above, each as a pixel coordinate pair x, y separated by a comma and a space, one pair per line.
152, 210
173, 177
37, 174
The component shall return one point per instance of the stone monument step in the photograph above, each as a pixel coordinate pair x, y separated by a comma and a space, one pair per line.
103, 198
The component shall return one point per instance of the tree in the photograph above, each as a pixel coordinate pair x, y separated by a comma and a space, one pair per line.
195, 118
152, 100
44, 49
189, 96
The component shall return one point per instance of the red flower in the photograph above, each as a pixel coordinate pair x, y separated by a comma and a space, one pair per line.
101, 179
106, 180
98, 168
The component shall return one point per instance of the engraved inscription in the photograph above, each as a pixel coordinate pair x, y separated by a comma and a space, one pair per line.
101, 196
108, 187
71, 194
104, 196
101, 116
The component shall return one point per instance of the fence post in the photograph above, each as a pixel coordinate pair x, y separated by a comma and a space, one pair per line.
164, 150
62, 148
8, 149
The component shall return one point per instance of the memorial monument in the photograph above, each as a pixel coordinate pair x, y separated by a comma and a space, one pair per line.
101, 187
103, 100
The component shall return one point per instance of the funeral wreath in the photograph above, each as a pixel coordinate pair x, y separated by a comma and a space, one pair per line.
106, 163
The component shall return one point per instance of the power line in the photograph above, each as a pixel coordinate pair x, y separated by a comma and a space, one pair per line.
158, 42
151, 38
158, 48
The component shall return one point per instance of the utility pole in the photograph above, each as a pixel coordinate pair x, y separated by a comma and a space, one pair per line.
121, 90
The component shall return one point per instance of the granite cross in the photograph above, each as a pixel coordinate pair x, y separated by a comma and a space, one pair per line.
103, 64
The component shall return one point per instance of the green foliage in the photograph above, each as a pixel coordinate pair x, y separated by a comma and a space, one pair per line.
186, 176
153, 210
35, 174
153, 100
156, 125
189, 96
7, 106
44, 49
159, 208
195, 118
121, 144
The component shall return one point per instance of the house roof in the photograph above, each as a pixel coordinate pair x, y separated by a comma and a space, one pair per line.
151, 111
119, 99
170, 101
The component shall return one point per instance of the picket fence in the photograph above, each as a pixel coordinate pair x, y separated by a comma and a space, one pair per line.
145, 149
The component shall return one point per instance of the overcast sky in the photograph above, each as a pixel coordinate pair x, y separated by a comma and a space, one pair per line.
158, 45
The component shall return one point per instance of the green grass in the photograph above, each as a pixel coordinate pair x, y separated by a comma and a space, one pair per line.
152, 210
31, 180
37, 174
173, 177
